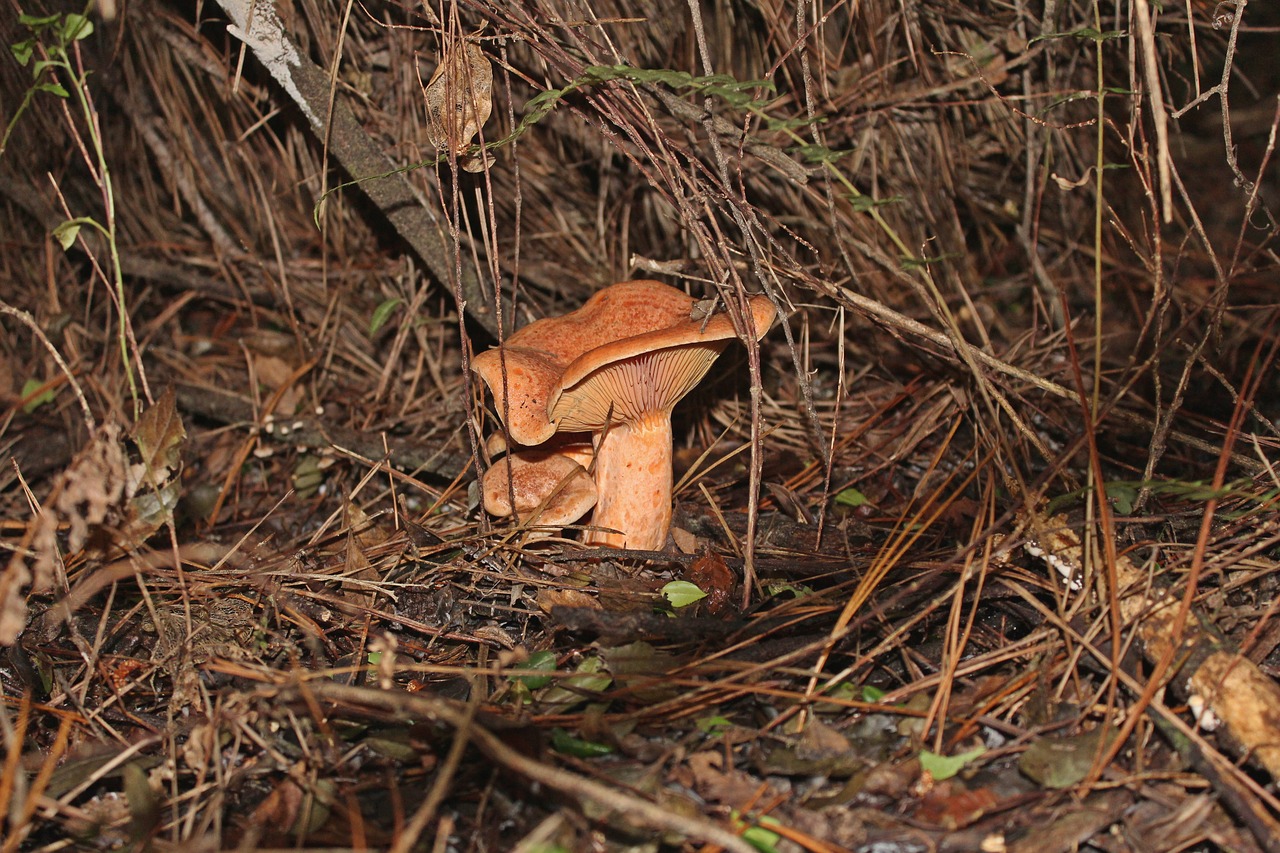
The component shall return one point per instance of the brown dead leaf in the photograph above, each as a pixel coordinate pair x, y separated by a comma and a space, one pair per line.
711, 574
707, 776
789, 502
361, 536
291, 807
280, 376
685, 541
820, 740
104, 501
87, 497
160, 435
951, 806
549, 598
459, 99
154, 484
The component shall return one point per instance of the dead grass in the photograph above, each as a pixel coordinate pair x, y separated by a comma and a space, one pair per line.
1002, 483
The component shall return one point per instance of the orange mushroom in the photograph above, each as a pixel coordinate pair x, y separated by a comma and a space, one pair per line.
615, 368
549, 489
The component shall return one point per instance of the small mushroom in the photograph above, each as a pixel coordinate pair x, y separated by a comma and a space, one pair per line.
578, 448
615, 368
550, 489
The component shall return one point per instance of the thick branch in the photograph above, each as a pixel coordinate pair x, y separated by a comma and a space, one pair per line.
256, 24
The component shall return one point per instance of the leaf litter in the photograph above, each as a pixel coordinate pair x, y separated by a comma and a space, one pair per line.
267, 612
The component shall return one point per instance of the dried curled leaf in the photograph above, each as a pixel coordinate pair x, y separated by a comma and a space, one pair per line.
459, 99
86, 497
154, 484
104, 501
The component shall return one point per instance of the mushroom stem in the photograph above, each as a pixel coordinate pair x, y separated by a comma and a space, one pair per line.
633, 479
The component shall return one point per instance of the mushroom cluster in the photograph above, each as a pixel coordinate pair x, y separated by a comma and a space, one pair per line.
612, 370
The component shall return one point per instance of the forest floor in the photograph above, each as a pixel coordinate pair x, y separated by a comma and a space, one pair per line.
975, 549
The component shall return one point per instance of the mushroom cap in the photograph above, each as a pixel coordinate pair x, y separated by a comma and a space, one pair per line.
521, 399
538, 478
646, 373
495, 445
633, 347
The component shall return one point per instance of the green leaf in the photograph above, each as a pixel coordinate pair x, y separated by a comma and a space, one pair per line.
757, 833
723, 86
1124, 497
23, 51
713, 726
35, 400
34, 22
566, 744
383, 313
53, 89
865, 203
791, 123
843, 690
764, 840
851, 497
835, 696
307, 476
1088, 33
42, 64
872, 694
589, 678
543, 661
944, 767
821, 153
143, 805
682, 593
738, 94
66, 233
75, 28
917, 263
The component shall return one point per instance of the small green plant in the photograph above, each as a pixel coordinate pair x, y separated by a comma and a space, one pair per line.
589, 677
382, 314
757, 833
682, 593
541, 661
1123, 494
567, 744
714, 726
52, 53
50, 35
872, 694
851, 497
945, 766
35, 394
